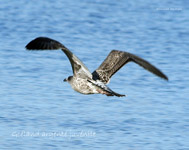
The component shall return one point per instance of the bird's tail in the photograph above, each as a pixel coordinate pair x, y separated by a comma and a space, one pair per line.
116, 94
104, 89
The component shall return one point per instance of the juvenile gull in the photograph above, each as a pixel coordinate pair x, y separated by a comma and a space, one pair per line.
82, 80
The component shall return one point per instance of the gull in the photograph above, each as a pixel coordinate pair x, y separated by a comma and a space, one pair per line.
85, 82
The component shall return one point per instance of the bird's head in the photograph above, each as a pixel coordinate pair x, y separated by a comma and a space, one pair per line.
68, 79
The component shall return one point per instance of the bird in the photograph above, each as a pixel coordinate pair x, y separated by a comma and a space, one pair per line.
85, 82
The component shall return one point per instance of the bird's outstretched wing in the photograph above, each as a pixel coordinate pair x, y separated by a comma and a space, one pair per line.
116, 59
44, 43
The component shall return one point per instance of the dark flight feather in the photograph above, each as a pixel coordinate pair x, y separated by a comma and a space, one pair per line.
44, 43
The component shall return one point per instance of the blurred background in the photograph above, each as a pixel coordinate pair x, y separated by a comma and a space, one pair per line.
39, 111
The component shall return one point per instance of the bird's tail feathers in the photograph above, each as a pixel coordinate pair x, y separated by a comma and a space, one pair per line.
104, 89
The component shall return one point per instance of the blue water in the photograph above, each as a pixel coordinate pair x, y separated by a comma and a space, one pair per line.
39, 111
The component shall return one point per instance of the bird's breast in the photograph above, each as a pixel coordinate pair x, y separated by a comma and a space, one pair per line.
83, 86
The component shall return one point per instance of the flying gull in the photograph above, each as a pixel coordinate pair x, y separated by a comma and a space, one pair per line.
85, 82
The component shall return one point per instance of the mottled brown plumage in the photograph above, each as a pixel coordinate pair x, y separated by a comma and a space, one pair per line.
82, 80
116, 59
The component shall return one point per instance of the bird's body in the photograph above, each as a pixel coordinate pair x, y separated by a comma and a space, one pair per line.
90, 86
82, 86
85, 82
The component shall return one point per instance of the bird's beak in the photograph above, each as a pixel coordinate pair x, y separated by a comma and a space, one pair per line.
65, 80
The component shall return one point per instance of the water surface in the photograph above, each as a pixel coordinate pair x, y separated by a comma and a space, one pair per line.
39, 111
